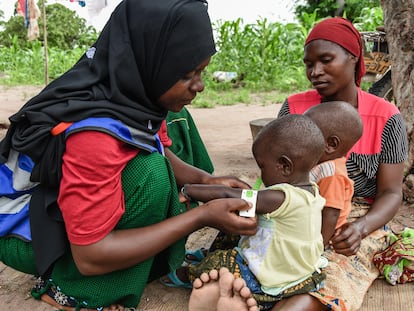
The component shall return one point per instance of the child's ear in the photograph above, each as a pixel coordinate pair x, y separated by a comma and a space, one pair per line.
332, 144
286, 164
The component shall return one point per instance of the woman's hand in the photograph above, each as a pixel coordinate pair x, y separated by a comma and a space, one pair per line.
223, 214
347, 239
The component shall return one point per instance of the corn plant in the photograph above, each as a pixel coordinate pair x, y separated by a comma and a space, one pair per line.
267, 54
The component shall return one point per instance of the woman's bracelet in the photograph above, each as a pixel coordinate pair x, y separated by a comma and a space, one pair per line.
185, 195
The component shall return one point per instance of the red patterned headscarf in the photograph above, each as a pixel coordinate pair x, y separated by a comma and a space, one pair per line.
341, 31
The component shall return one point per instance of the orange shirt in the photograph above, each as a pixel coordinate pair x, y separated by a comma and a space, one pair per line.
335, 186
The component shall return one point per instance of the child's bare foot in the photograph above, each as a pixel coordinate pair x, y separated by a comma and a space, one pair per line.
220, 291
206, 292
234, 294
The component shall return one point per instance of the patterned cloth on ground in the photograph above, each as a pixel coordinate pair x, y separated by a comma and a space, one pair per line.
349, 278
396, 262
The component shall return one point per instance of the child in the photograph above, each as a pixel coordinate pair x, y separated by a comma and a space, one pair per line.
284, 256
341, 126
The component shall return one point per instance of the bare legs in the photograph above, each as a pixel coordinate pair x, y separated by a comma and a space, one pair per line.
220, 291
303, 302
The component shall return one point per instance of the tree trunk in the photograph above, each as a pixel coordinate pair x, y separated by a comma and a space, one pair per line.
399, 27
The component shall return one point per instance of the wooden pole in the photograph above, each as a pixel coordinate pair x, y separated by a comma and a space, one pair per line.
45, 44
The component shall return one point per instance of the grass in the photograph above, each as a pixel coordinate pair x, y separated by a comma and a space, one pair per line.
211, 98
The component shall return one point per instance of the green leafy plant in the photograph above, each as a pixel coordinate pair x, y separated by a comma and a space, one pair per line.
328, 8
267, 56
264, 53
370, 19
58, 17
59, 34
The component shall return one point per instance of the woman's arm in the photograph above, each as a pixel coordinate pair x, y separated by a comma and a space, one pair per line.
348, 238
92, 203
188, 174
122, 249
387, 200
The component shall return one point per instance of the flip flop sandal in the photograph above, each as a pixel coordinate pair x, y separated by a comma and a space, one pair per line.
194, 257
172, 280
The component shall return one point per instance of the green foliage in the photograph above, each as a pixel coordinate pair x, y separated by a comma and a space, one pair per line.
22, 61
265, 53
1, 19
269, 55
322, 8
210, 97
355, 8
370, 19
26, 66
14, 30
328, 8
309, 20
65, 30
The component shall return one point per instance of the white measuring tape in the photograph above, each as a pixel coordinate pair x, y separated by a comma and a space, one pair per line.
249, 196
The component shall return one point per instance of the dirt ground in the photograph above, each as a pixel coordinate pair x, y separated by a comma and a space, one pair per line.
226, 133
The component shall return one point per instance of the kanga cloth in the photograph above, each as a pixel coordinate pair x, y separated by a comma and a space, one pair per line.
144, 205
396, 262
349, 278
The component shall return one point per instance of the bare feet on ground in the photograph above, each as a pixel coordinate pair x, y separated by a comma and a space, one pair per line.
221, 291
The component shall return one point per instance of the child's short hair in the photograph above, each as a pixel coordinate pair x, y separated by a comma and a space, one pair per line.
297, 135
337, 118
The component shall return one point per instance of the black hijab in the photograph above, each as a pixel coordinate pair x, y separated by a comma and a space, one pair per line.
143, 50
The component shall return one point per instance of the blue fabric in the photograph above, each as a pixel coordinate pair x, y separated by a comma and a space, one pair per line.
16, 224
251, 282
16, 187
15, 194
120, 131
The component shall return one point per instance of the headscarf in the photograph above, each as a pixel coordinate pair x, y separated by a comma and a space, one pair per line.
143, 50
341, 31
